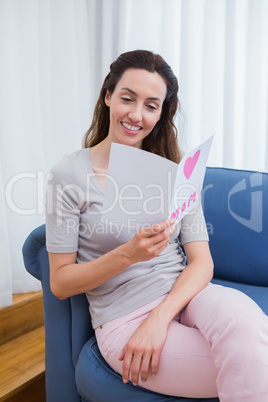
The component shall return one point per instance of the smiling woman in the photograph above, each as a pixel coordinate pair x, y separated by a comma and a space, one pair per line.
174, 328
139, 91
135, 106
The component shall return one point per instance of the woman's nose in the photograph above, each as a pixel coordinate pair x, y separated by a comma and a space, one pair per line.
135, 114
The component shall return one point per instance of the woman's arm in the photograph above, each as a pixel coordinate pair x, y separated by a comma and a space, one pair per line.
143, 350
68, 278
195, 277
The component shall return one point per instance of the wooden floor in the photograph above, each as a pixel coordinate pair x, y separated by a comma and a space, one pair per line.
22, 350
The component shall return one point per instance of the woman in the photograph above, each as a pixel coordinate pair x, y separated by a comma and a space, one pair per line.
158, 320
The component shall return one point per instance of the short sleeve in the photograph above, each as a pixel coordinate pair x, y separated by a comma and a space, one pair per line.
193, 226
62, 209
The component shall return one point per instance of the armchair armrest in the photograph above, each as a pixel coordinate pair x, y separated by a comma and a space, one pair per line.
66, 328
33, 245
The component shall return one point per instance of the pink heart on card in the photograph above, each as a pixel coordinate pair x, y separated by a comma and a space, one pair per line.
190, 165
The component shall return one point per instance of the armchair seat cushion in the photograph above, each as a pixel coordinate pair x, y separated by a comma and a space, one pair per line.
91, 365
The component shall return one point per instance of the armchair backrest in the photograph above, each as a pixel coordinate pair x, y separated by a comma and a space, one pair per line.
235, 204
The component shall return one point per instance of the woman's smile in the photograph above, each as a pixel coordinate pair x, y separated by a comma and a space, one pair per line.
130, 129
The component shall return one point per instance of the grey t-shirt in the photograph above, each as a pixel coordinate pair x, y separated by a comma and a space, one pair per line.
74, 224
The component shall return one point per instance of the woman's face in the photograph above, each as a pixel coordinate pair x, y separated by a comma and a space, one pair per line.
135, 106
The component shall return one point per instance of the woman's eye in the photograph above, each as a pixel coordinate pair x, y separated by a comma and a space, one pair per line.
126, 99
152, 107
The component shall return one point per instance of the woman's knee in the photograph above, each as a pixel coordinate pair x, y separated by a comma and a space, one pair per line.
219, 310
240, 325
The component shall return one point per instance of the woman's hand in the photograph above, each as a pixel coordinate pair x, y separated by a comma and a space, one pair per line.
149, 242
141, 354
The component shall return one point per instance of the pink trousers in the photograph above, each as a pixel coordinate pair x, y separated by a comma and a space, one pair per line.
217, 346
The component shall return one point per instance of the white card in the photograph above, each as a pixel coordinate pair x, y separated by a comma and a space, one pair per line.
143, 188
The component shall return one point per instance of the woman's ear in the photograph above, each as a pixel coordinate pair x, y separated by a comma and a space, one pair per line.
107, 98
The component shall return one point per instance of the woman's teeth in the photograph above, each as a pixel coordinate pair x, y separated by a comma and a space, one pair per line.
129, 127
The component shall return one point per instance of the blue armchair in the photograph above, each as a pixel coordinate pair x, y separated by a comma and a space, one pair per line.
235, 204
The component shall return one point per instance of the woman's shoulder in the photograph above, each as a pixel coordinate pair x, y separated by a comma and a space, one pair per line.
78, 157
72, 164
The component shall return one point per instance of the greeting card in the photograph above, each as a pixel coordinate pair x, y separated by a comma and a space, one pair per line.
143, 188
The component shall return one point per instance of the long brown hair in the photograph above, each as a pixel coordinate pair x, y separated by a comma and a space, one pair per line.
162, 140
